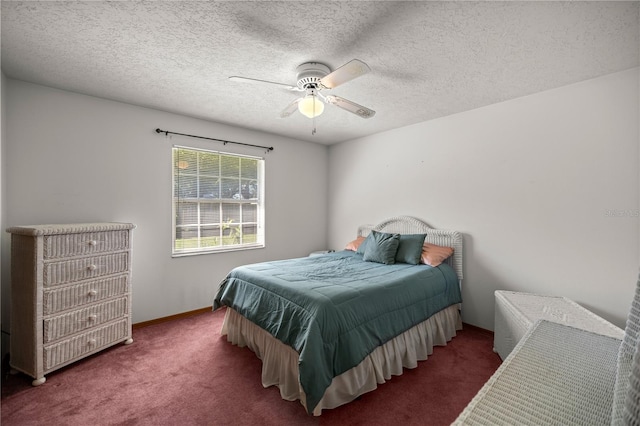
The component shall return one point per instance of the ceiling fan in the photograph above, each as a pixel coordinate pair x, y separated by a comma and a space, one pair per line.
313, 78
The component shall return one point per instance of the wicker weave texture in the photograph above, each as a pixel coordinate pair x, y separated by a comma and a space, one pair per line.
65, 245
70, 228
631, 408
81, 345
412, 225
67, 297
66, 271
627, 357
64, 325
557, 375
515, 312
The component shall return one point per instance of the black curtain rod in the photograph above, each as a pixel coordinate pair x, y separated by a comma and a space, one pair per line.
167, 133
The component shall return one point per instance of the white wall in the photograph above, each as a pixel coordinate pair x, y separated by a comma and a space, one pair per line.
75, 158
528, 181
4, 296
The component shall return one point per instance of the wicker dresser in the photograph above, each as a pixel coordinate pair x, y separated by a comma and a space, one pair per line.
70, 293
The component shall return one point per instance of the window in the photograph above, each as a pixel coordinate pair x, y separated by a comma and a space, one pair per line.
218, 201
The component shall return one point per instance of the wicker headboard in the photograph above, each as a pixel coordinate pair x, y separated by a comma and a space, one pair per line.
412, 225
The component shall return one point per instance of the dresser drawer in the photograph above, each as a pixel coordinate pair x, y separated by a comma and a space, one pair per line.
62, 272
82, 344
61, 299
72, 322
68, 245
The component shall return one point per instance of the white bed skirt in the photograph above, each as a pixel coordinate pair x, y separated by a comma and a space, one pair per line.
280, 361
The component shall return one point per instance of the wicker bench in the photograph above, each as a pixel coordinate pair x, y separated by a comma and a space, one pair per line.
516, 312
558, 374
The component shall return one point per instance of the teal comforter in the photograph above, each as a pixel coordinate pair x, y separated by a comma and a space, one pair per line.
335, 309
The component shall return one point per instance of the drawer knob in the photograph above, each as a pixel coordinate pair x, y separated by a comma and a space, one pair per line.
93, 242
93, 292
91, 342
92, 317
92, 267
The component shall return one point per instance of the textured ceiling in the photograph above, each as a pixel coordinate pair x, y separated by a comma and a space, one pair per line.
428, 59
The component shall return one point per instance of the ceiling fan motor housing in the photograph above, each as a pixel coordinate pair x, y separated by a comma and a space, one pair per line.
310, 74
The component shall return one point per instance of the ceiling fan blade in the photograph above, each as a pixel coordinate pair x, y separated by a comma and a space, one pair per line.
290, 109
347, 105
256, 81
347, 72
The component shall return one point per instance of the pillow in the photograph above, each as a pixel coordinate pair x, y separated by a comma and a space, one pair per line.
364, 243
410, 248
434, 255
353, 245
381, 248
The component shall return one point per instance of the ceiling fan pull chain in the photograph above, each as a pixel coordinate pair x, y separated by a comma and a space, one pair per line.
313, 131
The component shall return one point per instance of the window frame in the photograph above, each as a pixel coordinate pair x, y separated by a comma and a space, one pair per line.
199, 201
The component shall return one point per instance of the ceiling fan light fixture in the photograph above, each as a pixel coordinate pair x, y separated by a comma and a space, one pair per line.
310, 106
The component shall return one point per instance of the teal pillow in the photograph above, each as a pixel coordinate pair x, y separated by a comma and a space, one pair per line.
410, 248
363, 246
382, 248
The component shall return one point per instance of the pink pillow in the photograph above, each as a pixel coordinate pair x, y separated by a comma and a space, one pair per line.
353, 245
434, 255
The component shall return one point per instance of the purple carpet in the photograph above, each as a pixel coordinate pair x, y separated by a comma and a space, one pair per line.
183, 372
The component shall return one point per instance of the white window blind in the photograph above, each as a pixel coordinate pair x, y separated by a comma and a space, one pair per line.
218, 201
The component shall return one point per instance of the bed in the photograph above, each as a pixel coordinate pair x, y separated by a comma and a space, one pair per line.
331, 327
